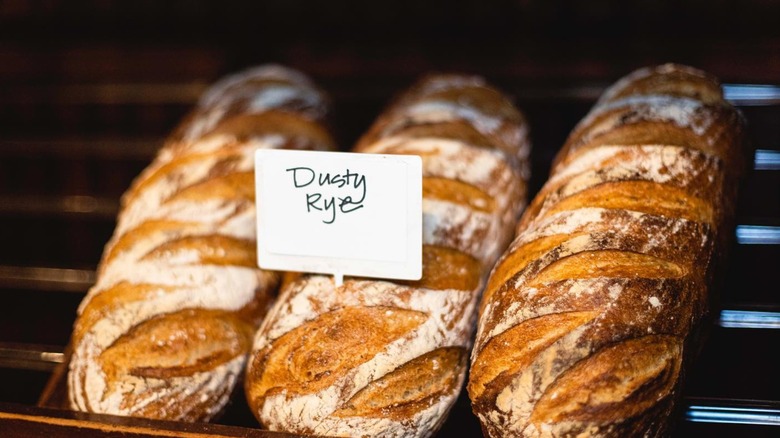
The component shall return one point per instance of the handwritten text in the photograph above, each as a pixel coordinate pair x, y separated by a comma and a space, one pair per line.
320, 196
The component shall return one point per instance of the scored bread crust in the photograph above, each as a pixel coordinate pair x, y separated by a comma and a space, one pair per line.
388, 358
591, 317
165, 330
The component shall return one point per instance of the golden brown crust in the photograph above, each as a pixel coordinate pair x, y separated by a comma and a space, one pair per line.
401, 393
165, 331
445, 268
382, 358
588, 319
669, 80
306, 359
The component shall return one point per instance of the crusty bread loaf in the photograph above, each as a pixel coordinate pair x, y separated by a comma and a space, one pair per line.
165, 330
388, 358
590, 319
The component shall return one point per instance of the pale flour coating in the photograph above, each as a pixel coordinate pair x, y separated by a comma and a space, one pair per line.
597, 307
165, 330
471, 198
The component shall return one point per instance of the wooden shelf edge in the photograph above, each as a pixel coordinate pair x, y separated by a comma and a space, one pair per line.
25, 420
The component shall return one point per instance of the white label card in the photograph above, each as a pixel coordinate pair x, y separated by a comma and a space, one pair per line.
339, 213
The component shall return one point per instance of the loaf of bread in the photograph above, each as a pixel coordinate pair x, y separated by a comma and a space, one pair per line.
590, 319
388, 358
165, 330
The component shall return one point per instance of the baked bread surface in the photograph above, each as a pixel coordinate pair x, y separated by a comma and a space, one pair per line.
388, 358
592, 316
165, 331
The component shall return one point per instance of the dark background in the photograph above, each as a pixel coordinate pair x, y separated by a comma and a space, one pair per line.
89, 89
